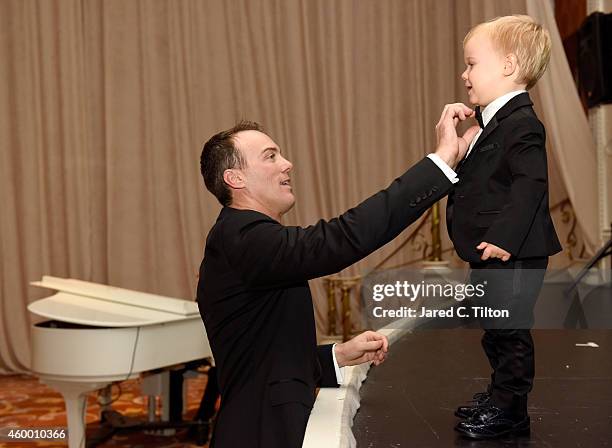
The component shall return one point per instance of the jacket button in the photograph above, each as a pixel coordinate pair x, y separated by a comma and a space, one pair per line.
412, 204
434, 188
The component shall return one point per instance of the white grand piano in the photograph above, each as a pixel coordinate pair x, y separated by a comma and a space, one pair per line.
98, 334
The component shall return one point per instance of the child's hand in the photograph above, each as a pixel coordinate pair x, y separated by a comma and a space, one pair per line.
492, 251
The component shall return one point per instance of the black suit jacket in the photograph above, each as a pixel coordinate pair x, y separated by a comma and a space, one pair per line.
502, 193
255, 302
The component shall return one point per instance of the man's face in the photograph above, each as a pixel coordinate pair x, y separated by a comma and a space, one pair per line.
266, 175
484, 76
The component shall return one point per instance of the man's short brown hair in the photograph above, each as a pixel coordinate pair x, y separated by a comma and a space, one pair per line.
220, 154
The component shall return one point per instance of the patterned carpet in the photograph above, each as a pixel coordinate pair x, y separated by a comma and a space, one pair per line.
25, 403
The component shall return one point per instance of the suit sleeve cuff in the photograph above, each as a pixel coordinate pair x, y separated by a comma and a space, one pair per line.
338, 369
447, 170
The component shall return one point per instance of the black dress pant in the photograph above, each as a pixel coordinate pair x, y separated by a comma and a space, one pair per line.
289, 425
511, 287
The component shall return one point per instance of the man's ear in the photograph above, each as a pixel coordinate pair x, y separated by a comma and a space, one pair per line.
510, 64
234, 178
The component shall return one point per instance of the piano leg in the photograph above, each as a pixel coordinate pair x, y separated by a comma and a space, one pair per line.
75, 397
206, 411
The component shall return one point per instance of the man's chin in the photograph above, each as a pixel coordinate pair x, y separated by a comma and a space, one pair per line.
289, 205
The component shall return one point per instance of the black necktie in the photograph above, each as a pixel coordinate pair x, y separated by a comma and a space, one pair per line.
479, 117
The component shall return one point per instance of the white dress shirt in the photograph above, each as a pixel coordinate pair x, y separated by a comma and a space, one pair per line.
339, 370
490, 111
447, 170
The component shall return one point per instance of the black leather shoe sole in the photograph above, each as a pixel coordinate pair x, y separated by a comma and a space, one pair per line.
522, 428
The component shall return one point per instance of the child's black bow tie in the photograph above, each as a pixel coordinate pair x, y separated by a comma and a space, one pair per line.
479, 117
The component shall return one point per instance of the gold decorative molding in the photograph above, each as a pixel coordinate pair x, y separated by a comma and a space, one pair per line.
436, 242
345, 286
568, 217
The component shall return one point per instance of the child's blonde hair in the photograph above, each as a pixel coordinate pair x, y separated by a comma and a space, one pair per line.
523, 36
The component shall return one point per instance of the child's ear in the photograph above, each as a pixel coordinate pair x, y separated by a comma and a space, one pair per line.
510, 64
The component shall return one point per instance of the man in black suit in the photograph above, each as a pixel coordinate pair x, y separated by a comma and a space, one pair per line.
253, 289
498, 215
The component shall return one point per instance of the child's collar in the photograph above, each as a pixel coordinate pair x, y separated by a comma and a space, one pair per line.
494, 106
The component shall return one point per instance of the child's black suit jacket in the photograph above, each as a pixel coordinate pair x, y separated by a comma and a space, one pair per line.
502, 193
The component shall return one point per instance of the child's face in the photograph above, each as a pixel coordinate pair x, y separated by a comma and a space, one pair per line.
484, 75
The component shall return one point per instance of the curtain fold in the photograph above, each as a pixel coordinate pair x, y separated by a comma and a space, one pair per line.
105, 106
570, 140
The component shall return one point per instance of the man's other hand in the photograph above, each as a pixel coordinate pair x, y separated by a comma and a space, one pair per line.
452, 148
366, 347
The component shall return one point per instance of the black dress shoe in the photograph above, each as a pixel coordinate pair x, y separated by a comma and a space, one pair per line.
491, 422
480, 400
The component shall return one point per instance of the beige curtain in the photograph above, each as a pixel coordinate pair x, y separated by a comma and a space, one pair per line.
104, 107
569, 133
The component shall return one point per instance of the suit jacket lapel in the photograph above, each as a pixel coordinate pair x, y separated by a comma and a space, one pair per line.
490, 127
517, 102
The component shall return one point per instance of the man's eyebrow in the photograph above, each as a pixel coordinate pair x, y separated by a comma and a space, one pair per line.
271, 148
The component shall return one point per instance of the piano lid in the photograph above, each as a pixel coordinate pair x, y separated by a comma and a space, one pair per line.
88, 303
